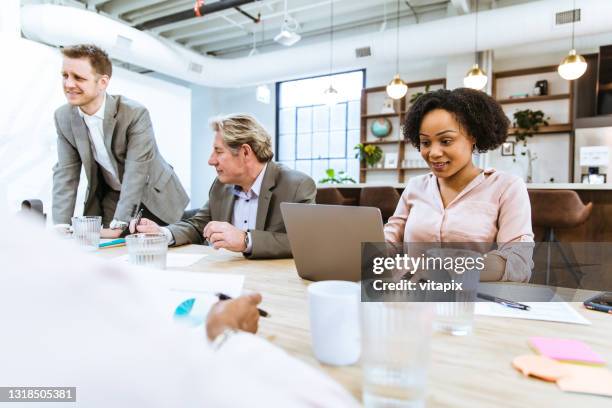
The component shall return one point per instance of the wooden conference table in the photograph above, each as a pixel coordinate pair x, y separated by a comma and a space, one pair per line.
469, 371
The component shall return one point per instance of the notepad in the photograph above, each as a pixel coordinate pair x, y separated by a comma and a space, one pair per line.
568, 377
549, 311
565, 350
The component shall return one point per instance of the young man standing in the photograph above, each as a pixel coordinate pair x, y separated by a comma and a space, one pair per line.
112, 138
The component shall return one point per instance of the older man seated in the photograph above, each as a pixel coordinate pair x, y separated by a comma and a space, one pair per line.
243, 209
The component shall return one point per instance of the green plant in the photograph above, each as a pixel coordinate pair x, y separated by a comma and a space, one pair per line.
372, 154
527, 122
340, 178
416, 95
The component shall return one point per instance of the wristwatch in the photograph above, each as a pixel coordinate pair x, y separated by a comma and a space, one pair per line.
222, 338
116, 224
246, 240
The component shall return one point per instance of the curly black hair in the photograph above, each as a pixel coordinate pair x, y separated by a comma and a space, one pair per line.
477, 113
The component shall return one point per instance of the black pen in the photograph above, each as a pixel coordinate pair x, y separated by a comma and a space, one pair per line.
505, 302
137, 218
223, 296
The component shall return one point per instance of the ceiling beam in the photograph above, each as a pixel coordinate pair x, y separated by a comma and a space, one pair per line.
117, 8
317, 28
189, 13
96, 3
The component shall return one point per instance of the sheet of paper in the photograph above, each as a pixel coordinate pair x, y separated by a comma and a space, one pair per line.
188, 296
175, 260
549, 311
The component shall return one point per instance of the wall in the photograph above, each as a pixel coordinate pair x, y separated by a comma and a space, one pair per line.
209, 102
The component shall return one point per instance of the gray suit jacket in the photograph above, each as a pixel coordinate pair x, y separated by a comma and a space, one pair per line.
280, 184
144, 174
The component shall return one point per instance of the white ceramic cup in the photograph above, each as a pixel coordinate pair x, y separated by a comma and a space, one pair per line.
334, 321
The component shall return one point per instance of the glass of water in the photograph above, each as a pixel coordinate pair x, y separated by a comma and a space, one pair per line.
396, 338
147, 250
87, 231
455, 314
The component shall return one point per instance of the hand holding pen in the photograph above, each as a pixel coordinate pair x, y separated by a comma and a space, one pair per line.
223, 296
237, 314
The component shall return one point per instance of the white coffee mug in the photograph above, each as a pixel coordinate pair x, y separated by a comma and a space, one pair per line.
334, 321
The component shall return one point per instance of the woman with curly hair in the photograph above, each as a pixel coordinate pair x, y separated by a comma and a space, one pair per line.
457, 201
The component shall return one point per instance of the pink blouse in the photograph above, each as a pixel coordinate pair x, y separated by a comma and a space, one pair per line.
494, 207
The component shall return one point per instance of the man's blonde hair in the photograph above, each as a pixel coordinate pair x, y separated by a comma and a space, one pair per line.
239, 129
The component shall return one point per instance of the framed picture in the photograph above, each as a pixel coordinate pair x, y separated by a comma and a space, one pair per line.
507, 149
594, 179
390, 160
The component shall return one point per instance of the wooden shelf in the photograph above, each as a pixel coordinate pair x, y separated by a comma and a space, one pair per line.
534, 99
376, 142
563, 128
381, 115
397, 174
379, 169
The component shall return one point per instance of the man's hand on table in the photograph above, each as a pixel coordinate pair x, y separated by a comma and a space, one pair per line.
238, 314
225, 235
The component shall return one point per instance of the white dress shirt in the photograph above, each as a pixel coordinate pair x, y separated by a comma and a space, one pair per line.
244, 216
95, 126
74, 320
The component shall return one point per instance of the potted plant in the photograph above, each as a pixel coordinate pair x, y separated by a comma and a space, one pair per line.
527, 122
370, 153
416, 95
332, 178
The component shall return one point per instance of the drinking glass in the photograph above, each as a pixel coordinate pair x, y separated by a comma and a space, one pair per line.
147, 249
396, 338
87, 231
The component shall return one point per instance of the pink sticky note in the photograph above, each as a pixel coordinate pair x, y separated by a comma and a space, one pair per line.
565, 350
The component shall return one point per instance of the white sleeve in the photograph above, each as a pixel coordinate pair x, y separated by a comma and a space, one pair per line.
269, 377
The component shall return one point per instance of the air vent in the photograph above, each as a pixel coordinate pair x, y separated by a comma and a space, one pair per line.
123, 42
363, 52
566, 17
195, 67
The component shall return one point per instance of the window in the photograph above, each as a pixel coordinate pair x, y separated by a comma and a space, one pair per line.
311, 136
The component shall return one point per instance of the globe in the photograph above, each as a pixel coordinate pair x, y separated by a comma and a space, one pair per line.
381, 127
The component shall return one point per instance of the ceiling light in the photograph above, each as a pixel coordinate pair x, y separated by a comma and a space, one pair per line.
331, 95
287, 38
397, 88
573, 65
475, 78
263, 94
288, 35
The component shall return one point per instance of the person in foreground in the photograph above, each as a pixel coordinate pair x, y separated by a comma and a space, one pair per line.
243, 209
457, 201
112, 138
73, 320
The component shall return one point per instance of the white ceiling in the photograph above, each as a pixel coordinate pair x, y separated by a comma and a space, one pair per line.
229, 32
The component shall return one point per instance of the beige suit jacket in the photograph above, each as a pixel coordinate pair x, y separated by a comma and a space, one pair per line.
280, 184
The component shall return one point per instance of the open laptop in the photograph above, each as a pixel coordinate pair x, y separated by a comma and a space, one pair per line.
326, 239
